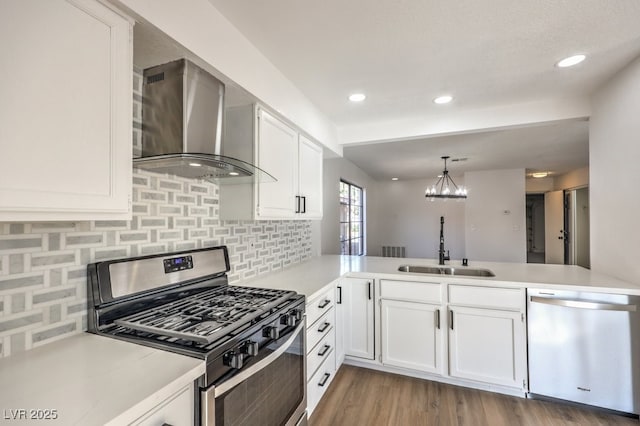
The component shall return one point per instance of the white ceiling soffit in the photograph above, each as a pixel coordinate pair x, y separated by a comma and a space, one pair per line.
491, 55
558, 147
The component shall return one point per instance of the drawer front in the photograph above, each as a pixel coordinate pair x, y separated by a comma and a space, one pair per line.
411, 291
486, 297
320, 306
321, 328
317, 386
320, 352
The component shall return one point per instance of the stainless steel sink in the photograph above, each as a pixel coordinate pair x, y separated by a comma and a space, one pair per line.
447, 270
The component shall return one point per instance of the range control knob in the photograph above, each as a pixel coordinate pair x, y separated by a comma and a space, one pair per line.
288, 319
297, 313
249, 348
233, 359
271, 332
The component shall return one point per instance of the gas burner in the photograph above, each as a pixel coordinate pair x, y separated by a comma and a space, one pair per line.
206, 316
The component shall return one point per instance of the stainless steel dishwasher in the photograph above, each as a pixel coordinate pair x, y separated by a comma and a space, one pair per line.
585, 347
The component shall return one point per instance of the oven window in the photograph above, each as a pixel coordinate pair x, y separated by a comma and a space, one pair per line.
268, 397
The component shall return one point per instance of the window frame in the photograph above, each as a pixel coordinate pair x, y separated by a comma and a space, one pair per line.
351, 205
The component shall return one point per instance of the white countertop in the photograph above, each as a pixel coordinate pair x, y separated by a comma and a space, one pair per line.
91, 380
311, 276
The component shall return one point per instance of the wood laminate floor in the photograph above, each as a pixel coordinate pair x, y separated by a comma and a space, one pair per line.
359, 396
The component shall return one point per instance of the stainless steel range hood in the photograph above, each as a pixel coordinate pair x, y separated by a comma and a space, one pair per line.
182, 127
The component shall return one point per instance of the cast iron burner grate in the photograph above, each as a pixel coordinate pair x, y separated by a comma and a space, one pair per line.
207, 316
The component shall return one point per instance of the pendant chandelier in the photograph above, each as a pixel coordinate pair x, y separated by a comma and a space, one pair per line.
445, 187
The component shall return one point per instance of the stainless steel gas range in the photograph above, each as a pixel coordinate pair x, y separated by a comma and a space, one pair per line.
252, 339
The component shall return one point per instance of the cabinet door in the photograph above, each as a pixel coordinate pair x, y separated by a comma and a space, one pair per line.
65, 115
487, 345
358, 317
310, 179
340, 324
411, 335
277, 155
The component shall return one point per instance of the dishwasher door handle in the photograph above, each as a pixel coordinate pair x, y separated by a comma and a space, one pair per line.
583, 304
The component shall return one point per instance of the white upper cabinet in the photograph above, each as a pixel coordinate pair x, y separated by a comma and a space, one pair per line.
309, 179
278, 155
65, 111
281, 151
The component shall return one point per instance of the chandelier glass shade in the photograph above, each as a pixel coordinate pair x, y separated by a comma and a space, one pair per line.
445, 187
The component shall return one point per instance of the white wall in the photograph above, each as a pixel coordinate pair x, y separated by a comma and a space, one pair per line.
408, 219
334, 170
539, 185
574, 179
614, 149
490, 234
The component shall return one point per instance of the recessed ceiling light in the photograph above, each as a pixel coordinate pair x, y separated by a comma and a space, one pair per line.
195, 164
357, 97
394, 178
539, 174
571, 61
443, 99
233, 173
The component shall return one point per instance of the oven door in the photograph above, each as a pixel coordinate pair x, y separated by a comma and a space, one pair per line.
269, 392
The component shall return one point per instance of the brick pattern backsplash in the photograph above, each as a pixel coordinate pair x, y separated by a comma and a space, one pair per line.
43, 283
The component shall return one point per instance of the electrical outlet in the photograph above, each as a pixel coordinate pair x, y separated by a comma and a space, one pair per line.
250, 240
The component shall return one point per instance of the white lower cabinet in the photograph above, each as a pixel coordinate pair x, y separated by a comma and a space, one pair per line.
411, 335
358, 317
487, 338
178, 409
321, 343
486, 345
471, 335
478, 330
411, 325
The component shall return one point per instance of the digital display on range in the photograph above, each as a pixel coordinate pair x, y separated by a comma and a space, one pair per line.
178, 264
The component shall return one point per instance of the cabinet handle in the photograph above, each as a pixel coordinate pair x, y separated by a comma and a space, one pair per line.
339, 295
324, 304
438, 319
324, 326
324, 350
324, 379
297, 204
369, 289
451, 318
304, 204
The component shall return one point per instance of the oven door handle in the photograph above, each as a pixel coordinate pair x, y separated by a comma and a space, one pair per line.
249, 371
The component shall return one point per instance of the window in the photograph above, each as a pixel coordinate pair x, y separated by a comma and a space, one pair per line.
351, 219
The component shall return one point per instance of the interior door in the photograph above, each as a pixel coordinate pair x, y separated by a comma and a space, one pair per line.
554, 227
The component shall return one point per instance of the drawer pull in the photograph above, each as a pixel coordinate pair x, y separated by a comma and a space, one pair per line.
324, 326
324, 379
324, 350
324, 304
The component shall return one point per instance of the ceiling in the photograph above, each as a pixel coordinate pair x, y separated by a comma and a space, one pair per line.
403, 53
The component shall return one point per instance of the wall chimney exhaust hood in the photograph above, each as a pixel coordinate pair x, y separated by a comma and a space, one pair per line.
182, 127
